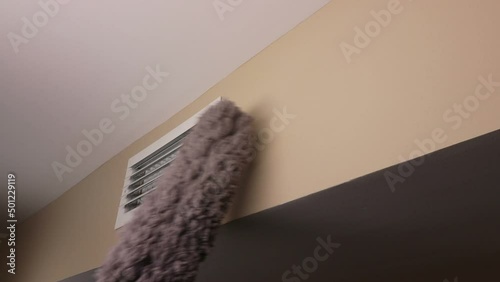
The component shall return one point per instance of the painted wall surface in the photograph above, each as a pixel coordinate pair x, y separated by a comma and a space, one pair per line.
340, 96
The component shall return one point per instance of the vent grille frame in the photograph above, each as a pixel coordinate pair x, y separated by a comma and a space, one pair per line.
139, 180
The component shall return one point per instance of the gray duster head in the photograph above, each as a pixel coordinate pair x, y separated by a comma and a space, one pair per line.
174, 228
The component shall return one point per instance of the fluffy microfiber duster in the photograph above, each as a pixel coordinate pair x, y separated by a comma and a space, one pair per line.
174, 228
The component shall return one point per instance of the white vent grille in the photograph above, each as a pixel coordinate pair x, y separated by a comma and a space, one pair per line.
147, 166
142, 181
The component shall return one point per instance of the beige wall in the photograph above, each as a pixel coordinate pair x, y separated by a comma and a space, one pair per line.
351, 119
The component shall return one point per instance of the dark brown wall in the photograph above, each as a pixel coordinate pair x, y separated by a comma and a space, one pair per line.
442, 222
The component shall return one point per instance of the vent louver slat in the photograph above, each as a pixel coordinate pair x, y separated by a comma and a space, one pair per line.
148, 170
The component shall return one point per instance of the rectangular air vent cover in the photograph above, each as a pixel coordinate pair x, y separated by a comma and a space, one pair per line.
147, 166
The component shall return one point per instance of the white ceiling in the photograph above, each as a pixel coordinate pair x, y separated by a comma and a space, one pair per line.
65, 77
